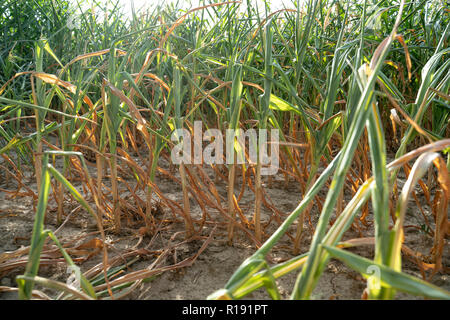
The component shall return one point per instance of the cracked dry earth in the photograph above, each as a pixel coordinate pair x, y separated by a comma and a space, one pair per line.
215, 265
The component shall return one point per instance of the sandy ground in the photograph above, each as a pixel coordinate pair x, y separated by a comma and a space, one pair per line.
215, 265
